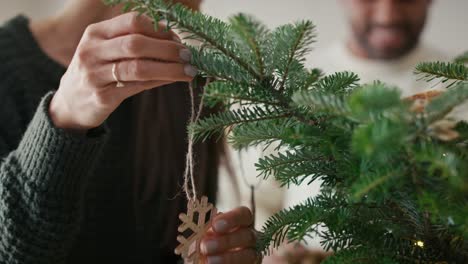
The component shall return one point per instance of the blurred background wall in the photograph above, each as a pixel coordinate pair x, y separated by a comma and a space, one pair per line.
32, 8
445, 28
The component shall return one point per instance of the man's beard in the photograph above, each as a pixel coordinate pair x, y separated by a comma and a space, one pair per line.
411, 39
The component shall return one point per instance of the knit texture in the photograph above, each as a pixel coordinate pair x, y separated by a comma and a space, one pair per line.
64, 198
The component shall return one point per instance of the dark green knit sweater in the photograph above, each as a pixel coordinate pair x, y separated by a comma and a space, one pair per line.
63, 198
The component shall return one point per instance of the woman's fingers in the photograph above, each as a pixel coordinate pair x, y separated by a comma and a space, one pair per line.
272, 259
123, 49
112, 95
242, 238
245, 256
239, 217
130, 23
137, 46
133, 88
141, 70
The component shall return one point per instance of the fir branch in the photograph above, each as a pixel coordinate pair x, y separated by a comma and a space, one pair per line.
361, 255
290, 43
338, 83
454, 72
369, 182
304, 36
462, 59
302, 220
217, 65
321, 102
216, 35
262, 132
303, 79
375, 101
227, 92
251, 31
291, 224
299, 79
359, 141
294, 167
438, 162
380, 140
439, 243
217, 123
450, 213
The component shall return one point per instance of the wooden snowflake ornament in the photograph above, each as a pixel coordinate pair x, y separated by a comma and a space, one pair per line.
194, 221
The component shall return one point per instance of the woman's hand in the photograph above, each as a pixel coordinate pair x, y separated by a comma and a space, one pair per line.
231, 240
143, 59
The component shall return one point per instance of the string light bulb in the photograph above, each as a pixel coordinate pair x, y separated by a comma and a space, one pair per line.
419, 243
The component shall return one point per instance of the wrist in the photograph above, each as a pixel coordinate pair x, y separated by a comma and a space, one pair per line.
62, 118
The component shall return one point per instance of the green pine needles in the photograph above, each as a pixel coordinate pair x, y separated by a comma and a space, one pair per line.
394, 177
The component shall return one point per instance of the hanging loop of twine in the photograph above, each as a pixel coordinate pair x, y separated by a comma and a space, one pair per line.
189, 174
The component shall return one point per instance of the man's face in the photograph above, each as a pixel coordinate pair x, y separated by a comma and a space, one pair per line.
387, 29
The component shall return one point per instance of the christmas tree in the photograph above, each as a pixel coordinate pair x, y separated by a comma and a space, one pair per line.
393, 171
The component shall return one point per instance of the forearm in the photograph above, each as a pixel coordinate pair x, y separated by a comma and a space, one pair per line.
42, 185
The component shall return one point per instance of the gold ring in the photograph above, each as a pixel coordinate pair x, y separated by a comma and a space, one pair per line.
116, 78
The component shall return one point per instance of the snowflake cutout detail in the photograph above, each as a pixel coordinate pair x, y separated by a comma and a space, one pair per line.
194, 221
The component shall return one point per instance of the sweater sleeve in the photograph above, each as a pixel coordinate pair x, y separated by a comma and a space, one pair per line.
42, 185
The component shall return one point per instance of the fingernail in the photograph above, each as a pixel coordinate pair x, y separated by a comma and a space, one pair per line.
176, 39
185, 55
164, 23
221, 226
190, 70
215, 260
209, 247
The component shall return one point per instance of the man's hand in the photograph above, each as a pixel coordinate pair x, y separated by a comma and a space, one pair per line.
295, 253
